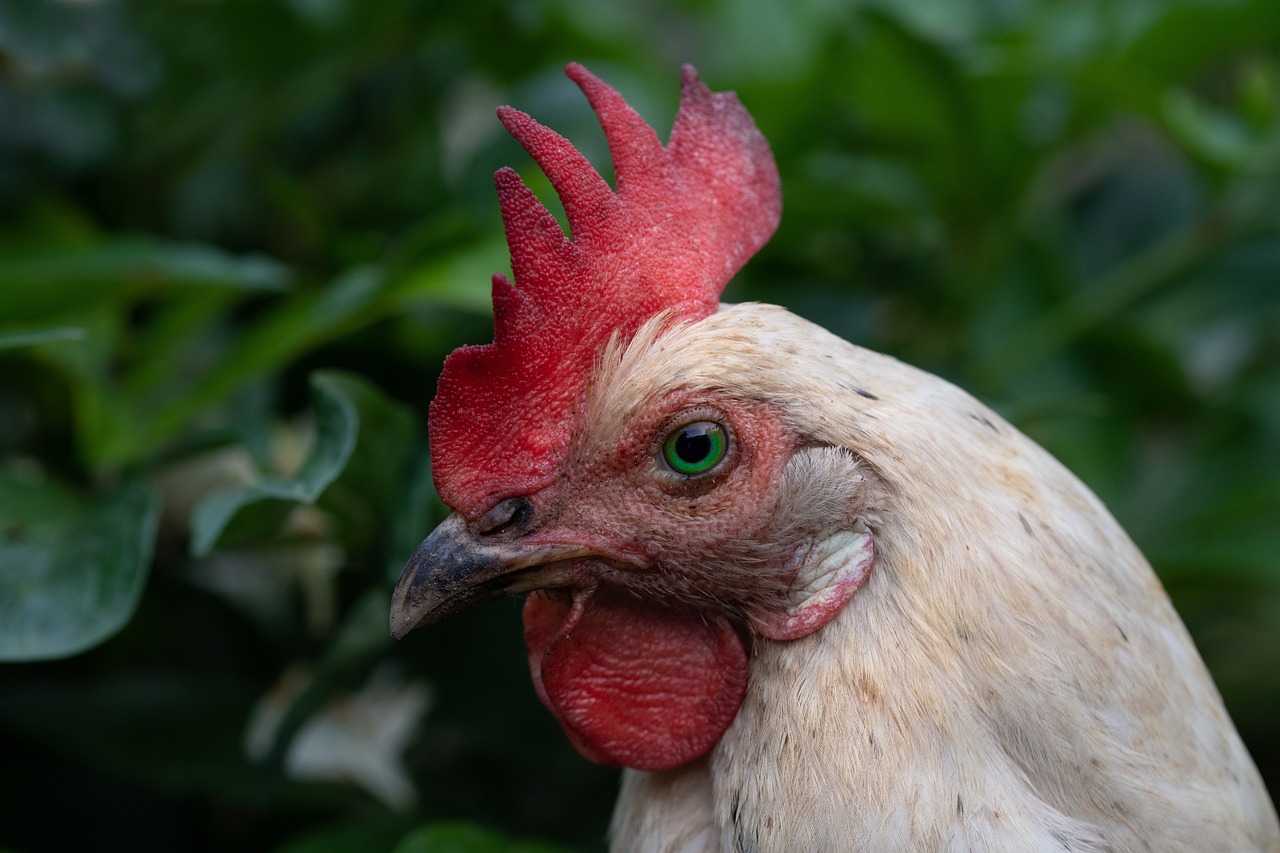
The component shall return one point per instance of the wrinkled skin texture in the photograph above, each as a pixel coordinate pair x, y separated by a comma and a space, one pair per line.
634, 684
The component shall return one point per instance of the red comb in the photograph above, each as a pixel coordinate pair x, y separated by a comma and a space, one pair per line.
683, 220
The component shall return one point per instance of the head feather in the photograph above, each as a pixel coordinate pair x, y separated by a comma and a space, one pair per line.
683, 219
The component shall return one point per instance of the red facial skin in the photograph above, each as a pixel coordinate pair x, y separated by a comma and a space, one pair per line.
640, 660
638, 657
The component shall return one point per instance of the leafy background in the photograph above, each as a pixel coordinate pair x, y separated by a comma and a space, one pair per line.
237, 237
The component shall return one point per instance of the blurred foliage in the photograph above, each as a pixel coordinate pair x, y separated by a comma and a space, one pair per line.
237, 237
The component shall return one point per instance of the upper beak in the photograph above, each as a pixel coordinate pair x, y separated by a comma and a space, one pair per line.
456, 568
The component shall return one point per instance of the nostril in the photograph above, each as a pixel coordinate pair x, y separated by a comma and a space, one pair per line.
510, 515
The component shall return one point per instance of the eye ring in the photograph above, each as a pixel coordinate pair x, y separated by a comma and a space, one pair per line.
696, 448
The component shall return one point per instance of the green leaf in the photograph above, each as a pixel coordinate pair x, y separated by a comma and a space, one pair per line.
1190, 36
372, 485
257, 510
17, 338
1222, 139
457, 280
927, 115
71, 572
294, 326
44, 282
465, 838
356, 470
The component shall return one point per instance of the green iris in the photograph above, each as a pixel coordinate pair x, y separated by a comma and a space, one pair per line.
695, 448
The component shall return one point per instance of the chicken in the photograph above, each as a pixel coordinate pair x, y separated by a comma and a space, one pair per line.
810, 597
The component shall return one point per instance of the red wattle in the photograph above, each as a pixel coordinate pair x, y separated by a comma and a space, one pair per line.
633, 683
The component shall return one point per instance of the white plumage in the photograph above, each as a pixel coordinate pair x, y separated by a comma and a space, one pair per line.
1012, 676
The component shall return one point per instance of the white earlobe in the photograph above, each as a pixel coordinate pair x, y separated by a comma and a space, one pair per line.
828, 572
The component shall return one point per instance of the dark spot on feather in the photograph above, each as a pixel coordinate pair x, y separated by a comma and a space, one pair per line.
863, 392
980, 419
1060, 838
741, 843
1122, 633
1026, 525
870, 692
959, 806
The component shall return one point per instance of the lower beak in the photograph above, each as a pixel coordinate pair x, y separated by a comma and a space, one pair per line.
454, 569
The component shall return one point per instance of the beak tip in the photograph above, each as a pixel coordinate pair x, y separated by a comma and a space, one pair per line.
451, 571
406, 613
399, 625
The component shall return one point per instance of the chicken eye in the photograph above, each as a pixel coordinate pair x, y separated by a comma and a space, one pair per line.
695, 448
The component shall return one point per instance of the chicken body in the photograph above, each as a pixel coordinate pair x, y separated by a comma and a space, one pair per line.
815, 599
1011, 676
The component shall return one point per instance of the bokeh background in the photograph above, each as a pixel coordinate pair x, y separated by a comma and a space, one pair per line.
237, 237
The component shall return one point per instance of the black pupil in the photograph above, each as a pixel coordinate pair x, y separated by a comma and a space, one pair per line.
693, 444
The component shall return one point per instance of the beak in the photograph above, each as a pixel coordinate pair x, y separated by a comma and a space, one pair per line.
455, 569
